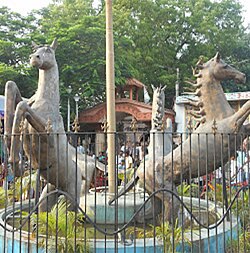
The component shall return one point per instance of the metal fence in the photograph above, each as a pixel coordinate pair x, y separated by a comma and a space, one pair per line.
184, 193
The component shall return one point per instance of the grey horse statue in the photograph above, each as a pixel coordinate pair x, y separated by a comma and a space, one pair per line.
42, 134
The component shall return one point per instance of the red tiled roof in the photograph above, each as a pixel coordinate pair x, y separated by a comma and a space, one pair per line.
134, 82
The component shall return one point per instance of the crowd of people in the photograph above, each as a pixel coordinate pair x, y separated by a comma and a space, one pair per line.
128, 159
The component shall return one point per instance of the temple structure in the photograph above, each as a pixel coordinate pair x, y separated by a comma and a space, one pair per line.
130, 107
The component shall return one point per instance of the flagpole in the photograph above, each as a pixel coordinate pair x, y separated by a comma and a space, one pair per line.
110, 97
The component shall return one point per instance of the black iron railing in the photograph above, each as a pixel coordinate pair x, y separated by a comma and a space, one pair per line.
192, 196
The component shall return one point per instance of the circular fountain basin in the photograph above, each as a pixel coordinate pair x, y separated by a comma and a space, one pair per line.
202, 239
16, 241
95, 204
212, 240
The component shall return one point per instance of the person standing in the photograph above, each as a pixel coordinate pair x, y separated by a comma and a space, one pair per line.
128, 160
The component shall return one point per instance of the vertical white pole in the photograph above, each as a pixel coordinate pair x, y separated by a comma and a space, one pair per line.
68, 125
177, 84
110, 93
77, 109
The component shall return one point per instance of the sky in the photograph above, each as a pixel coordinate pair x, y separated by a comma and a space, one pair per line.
26, 6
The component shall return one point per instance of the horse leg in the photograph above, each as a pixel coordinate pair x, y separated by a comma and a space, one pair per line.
23, 111
12, 98
171, 204
241, 115
47, 202
74, 186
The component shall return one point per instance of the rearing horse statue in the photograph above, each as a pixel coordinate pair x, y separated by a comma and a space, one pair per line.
47, 151
216, 118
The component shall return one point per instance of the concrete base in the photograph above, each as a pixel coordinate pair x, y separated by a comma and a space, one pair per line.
160, 143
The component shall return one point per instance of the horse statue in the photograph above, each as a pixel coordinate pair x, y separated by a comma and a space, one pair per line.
160, 133
205, 154
42, 133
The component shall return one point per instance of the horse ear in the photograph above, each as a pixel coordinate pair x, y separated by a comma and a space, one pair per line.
153, 87
164, 87
217, 57
54, 44
34, 45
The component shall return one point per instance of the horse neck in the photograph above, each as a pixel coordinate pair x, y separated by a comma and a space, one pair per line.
48, 85
214, 100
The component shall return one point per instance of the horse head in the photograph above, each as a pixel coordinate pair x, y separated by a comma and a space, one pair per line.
217, 69
44, 56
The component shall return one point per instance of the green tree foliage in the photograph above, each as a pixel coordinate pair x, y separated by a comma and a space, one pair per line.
152, 38
81, 51
167, 34
15, 50
80, 30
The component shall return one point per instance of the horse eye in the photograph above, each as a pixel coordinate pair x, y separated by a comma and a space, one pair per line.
225, 66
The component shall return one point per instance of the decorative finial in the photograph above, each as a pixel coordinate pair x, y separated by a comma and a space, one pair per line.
76, 126
236, 127
133, 125
21, 126
163, 126
190, 123
48, 127
70, 140
104, 125
1, 125
214, 127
